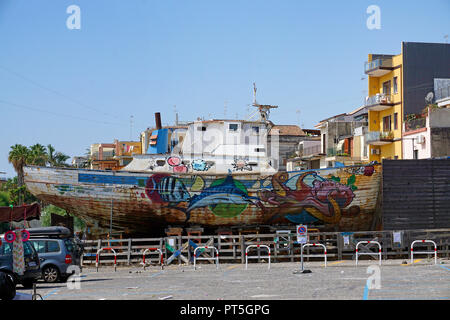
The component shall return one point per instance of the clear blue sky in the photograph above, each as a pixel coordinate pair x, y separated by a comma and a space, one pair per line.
139, 57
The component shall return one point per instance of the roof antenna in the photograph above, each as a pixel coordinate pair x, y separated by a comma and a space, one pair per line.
264, 109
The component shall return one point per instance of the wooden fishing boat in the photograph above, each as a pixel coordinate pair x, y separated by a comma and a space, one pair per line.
221, 175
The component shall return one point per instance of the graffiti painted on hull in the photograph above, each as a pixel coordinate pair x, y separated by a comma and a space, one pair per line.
308, 197
343, 196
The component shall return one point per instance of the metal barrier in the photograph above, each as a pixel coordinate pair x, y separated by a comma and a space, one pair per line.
367, 253
314, 255
161, 258
97, 258
424, 252
206, 247
256, 257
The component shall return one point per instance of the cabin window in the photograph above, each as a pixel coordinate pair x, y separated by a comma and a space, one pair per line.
201, 128
233, 126
260, 149
255, 130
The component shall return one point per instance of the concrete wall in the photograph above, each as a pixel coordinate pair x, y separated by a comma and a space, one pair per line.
440, 118
440, 142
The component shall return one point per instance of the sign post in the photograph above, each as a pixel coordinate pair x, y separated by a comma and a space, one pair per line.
302, 239
302, 234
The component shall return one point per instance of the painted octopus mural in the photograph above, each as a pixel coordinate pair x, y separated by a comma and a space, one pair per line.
307, 197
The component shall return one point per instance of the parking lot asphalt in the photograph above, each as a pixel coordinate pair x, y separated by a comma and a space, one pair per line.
340, 280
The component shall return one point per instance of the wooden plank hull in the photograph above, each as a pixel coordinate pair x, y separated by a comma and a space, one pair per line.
340, 198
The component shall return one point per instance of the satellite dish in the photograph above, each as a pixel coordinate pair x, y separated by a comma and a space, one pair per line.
429, 97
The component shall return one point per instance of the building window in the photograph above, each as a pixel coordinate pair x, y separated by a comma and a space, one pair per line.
387, 123
416, 154
395, 121
255, 130
324, 144
233, 127
395, 84
387, 87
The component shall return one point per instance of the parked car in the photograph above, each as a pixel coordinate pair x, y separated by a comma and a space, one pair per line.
7, 287
32, 265
57, 250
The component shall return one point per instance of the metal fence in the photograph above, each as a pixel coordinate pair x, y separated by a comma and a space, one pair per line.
284, 247
416, 194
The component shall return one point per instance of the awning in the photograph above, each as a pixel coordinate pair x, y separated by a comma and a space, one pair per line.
16, 214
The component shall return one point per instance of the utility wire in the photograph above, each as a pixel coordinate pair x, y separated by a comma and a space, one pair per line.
56, 92
55, 113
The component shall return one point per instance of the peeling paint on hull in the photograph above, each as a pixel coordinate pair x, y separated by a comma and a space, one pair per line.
344, 198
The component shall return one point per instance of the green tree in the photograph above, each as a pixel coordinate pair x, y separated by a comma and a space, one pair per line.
46, 213
14, 192
51, 155
18, 157
56, 158
37, 155
4, 199
60, 159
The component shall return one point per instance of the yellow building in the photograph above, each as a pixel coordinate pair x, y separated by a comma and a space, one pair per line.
397, 87
385, 106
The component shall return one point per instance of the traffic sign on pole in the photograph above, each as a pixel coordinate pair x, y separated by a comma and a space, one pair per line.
302, 234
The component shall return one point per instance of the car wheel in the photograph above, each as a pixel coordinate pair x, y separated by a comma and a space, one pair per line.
51, 274
7, 287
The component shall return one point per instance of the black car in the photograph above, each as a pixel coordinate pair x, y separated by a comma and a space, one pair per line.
32, 265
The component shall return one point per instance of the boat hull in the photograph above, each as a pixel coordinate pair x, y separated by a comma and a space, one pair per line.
338, 198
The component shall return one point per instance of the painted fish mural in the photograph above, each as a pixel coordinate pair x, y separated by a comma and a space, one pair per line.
334, 198
223, 194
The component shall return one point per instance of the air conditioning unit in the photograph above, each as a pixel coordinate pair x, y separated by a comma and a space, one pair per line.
421, 139
375, 151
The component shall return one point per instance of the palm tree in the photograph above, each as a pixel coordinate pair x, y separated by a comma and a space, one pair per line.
38, 155
56, 159
60, 159
50, 155
18, 157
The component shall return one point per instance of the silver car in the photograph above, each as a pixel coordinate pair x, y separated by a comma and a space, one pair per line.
57, 251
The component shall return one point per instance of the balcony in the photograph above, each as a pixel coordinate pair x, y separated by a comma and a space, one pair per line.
310, 151
378, 67
379, 102
415, 124
377, 138
335, 152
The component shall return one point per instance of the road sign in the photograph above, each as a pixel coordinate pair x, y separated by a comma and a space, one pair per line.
302, 234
